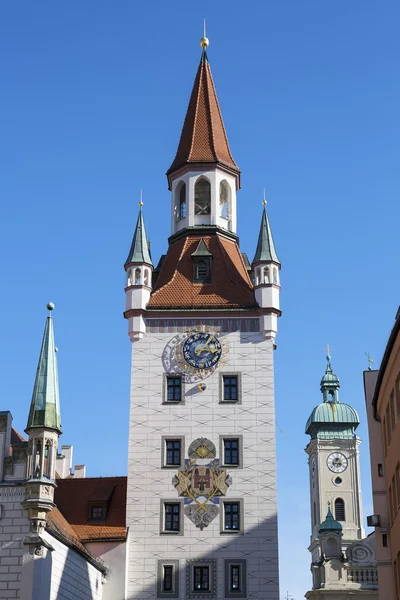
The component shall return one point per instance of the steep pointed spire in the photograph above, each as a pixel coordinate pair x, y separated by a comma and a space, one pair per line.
139, 252
265, 246
203, 138
45, 404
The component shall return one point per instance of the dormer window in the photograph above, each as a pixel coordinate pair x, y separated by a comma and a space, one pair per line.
202, 197
201, 264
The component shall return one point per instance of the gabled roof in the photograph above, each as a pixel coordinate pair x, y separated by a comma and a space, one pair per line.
265, 251
45, 404
230, 286
139, 252
74, 496
203, 138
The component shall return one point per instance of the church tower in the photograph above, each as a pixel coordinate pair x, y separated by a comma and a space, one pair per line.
201, 502
334, 465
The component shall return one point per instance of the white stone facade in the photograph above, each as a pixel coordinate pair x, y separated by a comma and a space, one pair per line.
201, 414
14, 525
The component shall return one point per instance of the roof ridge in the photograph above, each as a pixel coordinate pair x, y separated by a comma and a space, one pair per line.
222, 121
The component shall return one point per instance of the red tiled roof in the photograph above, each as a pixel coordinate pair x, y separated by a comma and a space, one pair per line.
230, 285
16, 437
203, 138
73, 496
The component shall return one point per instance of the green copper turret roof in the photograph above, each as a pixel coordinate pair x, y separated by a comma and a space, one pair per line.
265, 247
139, 252
330, 525
332, 419
45, 404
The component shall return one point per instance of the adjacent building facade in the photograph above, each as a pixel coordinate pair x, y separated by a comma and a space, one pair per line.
382, 396
343, 560
201, 501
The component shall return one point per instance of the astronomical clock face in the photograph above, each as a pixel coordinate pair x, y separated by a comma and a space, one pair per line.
337, 462
195, 354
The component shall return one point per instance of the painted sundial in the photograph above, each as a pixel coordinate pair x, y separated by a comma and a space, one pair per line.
201, 482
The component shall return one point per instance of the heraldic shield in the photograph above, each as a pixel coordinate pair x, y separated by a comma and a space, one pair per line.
201, 482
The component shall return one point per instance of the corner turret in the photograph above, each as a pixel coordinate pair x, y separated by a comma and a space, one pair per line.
43, 429
265, 267
139, 270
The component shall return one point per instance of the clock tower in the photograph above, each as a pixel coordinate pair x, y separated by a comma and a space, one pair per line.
334, 465
201, 501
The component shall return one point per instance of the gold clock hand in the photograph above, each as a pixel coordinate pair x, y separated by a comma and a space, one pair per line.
199, 350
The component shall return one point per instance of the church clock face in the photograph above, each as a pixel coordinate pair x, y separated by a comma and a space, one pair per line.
202, 350
337, 462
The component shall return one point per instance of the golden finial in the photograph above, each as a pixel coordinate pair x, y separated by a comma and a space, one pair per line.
204, 42
265, 199
141, 201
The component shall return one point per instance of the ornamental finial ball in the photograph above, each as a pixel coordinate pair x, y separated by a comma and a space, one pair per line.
50, 306
204, 42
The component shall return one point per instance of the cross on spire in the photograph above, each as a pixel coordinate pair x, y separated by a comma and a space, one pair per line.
370, 361
328, 349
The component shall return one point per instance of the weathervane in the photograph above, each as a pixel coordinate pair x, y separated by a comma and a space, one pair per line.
204, 42
328, 350
370, 361
141, 201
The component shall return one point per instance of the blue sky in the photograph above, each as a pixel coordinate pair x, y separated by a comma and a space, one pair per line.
93, 99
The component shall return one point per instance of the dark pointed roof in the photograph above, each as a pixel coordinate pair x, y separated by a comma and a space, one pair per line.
265, 247
330, 525
45, 404
203, 138
139, 252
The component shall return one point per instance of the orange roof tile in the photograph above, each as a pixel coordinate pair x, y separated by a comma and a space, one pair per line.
203, 138
16, 437
73, 496
230, 285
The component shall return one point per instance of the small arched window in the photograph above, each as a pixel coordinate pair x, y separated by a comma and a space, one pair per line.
182, 201
225, 200
146, 277
258, 275
137, 277
275, 276
340, 514
266, 275
202, 197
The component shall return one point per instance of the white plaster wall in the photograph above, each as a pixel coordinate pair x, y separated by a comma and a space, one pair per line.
202, 416
114, 555
72, 577
14, 525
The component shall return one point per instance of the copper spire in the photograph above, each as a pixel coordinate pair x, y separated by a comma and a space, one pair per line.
203, 137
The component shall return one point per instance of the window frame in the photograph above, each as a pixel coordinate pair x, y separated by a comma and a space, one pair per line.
238, 387
242, 564
165, 390
240, 503
196, 261
164, 502
169, 438
191, 564
198, 210
94, 505
343, 504
174, 593
222, 440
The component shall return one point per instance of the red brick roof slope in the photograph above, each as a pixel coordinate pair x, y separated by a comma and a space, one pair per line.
203, 138
16, 437
230, 285
73, 497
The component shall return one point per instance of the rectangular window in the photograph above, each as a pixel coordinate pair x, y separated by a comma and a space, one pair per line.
201, 579
96, 513
234, 578
388, 425
172, 516
391, 408
230, 388
385, 442
380, 470
174, 389
231, 516
231, 451
172, 452
167, 578
384, 540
